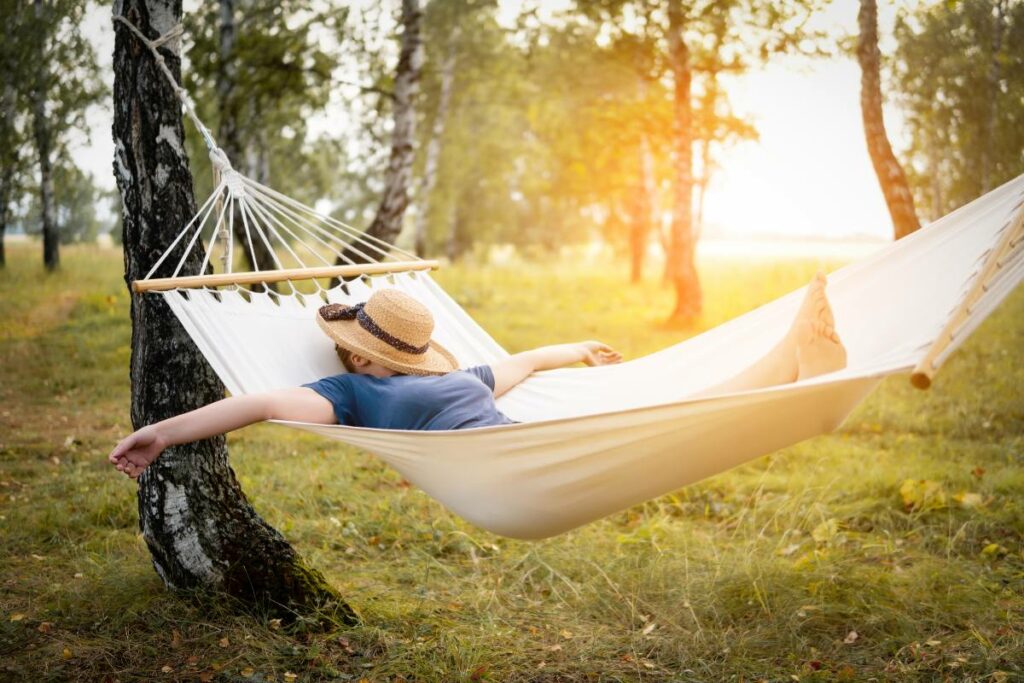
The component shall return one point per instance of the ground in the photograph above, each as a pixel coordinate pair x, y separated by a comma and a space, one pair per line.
892, 549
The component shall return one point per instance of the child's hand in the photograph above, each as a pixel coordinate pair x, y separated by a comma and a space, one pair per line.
137, 451
596, 353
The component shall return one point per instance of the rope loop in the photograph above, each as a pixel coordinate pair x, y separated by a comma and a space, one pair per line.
175, 33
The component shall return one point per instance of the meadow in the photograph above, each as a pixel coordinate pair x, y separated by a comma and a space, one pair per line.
889, 550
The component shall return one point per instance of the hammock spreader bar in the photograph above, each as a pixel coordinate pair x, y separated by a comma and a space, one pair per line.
1009, 241
290, 274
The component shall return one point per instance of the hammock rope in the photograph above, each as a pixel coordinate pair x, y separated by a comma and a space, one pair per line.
590, 441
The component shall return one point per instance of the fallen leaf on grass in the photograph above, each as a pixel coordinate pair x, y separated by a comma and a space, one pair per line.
224, 642
826, 531
647, 629
66, 654
45, 627
275, 624
565, 633
553, 648
851, 638
289, 676
175, 638
247, 672
788, 550
920, 495
166, 668
993, 550
967, 499
18, 616
206, 676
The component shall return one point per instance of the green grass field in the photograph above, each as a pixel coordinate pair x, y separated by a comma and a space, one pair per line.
805, 565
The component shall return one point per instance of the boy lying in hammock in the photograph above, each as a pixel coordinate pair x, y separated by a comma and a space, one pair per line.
399, 378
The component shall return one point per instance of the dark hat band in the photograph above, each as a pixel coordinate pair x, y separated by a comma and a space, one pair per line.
357, 313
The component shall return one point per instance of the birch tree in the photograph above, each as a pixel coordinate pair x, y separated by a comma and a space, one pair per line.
387, 222
891, 177
196, 521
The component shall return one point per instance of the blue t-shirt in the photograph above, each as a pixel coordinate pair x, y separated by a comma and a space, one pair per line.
456, 400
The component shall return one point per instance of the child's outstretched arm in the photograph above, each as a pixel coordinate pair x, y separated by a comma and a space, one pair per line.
516, 368
138, 450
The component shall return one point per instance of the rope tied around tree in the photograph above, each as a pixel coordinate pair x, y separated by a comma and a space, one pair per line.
217, 156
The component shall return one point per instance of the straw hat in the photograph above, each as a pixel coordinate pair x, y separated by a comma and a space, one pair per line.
390, 328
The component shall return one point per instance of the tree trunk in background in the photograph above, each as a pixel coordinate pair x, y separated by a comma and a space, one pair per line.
680, 260
194, 517
890, 174
255, 251
436, 139
42, 133
642, 214
7, 109
397, 179
992, 98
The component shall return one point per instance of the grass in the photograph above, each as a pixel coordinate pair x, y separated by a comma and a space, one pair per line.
804, 565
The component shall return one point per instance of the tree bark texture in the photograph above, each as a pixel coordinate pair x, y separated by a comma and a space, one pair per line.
196, 521
254, 249
436, 140
387, 224
43, 137
890, 174
680, 262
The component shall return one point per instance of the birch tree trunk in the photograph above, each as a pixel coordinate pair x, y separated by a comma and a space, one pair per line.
680, 262
436, 140
254, 249
194, 517
43, 137
387, 224
890, 174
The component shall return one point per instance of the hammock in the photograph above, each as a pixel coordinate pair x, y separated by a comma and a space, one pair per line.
592, 441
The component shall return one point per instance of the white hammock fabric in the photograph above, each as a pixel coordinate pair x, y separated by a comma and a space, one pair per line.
597, 440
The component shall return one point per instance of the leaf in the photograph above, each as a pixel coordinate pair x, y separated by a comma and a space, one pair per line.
175, 638
565, 633
826, 531
45, 627
66, 654
247, 672
166, 668
788, 550
920, 495
224, 642
966, 499
993, 550
17, 616
289, 676
275, 624
206, 676
650, 627
851, 638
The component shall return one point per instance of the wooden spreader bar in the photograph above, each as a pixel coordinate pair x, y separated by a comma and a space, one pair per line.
255, 277
922, 375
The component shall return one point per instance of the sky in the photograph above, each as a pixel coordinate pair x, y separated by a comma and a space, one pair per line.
808, 174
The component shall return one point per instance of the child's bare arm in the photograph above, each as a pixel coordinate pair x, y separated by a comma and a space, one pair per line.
139, 449
516, 368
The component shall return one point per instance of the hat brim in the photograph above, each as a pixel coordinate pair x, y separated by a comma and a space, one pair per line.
349, 334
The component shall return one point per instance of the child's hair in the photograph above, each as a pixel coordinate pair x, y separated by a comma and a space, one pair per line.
346, 357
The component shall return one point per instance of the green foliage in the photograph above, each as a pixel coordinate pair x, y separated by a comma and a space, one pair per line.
816, 562
959, 75
81, 210
281, 74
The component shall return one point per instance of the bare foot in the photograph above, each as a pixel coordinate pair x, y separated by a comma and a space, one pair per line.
818, 348
817, 354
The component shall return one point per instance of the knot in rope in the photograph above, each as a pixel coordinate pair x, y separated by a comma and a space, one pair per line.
175, 33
